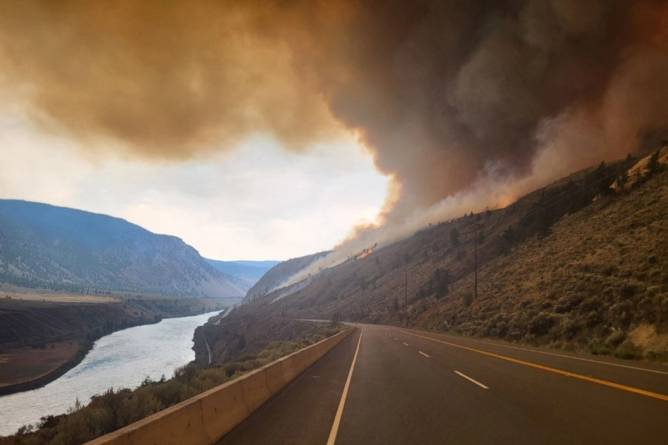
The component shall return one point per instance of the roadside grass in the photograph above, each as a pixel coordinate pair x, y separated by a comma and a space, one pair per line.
115, 409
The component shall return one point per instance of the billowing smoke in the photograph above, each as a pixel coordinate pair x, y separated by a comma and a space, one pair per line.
464, 104
161, 79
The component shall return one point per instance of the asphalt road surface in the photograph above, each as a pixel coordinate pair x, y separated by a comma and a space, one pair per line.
387, 385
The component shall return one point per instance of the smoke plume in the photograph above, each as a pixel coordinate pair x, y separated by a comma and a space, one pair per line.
464, 104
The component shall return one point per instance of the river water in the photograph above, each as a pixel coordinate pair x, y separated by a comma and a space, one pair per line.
120, 360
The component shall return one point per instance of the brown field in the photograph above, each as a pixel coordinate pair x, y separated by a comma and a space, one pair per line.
56, 298
27, 364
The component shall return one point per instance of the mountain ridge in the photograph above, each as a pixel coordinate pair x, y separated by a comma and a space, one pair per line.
60, 248
279, 274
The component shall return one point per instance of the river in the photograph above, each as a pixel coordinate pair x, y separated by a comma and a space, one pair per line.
120, 360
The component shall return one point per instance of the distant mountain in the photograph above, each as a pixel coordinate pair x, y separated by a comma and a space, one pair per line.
244, 273
63, 249
280, 273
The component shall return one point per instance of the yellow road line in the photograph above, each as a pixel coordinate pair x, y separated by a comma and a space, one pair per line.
574, 375
571, 357
344, 395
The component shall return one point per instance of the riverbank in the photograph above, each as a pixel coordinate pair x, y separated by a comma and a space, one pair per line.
113, 408
41, 340
123, 359
18, 362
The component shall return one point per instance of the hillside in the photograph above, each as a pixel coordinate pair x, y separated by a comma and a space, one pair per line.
278, 274
62, 249
581, 263
244, 274
598, 279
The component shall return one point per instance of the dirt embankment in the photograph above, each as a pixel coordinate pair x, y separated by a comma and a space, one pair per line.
42, 340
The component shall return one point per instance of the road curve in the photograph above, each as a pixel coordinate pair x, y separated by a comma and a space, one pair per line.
387, 385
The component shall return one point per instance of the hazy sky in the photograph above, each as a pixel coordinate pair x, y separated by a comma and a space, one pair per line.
446, 95
256, 202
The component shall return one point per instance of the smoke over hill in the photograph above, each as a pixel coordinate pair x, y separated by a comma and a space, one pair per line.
463, 104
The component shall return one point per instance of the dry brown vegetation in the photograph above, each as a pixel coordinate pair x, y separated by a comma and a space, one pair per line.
598, 280
57, 298
25, 364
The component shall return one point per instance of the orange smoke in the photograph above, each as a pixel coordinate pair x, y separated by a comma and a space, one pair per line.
444, 94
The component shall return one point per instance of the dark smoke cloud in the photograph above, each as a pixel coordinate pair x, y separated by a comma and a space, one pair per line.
444, 94
164, 78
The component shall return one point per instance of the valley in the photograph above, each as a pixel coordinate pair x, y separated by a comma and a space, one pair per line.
333, 222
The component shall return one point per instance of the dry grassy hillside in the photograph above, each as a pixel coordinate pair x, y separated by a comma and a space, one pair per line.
579, 263
599, 279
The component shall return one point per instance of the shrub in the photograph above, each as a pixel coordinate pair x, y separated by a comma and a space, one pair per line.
441, 281
542, 323
653, 165
454, 236
627, 351
598, 348
628, 290
615, 338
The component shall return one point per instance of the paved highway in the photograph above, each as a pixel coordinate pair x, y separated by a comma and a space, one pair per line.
388, 385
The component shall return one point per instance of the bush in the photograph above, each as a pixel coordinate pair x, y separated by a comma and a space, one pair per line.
441, 282
454, 236
542, 324
627, 351
653, 165
615, 338
598, 348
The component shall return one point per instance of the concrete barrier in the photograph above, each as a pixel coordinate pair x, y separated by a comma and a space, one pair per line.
207, 417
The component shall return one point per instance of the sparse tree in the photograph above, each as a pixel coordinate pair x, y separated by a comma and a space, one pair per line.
441, 282
622, 179
454, 236
653, 165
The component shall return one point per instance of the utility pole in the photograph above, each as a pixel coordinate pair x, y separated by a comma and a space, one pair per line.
406, 289
475, 261
406, 293
475, 273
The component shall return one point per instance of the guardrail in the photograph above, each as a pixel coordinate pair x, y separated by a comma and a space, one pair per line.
207, 417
